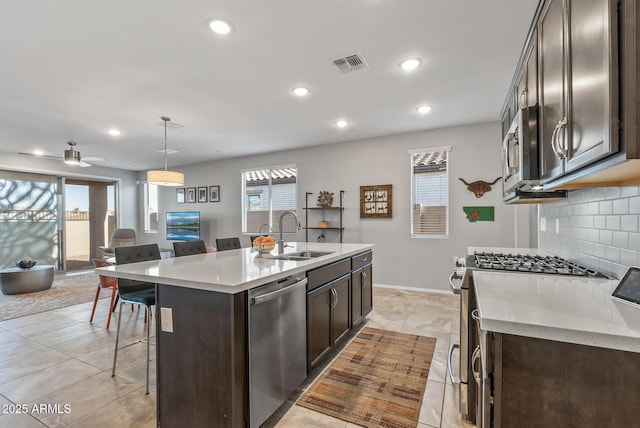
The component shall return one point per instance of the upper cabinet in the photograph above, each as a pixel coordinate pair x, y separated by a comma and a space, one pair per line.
579, 66
578, 69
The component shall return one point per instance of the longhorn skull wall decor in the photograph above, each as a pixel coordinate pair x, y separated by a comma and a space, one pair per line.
479, 187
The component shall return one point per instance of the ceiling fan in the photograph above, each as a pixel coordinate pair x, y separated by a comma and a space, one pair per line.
72, 156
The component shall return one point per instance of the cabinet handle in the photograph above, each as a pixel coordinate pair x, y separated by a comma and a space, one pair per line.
561, 152
364, 259
334, 298
364, 274
522, 101
335, 294
474, 358
454, 379
475, 314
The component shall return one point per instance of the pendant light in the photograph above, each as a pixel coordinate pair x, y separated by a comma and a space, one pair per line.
165, 177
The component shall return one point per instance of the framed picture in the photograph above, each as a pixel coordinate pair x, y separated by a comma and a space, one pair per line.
191, 194
180, 195
376, 201
202, 194
214, 193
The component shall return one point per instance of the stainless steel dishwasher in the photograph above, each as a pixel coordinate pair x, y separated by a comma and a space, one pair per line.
277, 344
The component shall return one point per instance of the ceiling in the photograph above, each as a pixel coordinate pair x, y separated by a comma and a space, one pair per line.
71, 70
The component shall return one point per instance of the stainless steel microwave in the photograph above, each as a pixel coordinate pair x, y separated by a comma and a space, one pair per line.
520, 157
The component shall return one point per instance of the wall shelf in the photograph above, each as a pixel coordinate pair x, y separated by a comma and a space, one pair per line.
339, 209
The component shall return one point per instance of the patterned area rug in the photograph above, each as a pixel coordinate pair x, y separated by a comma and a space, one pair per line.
66, 290
378, 380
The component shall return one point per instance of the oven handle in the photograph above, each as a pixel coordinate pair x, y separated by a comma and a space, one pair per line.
474, 358
454, 379
454, 275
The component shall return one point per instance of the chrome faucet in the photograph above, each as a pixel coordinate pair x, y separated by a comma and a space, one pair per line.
281, 243
261, 246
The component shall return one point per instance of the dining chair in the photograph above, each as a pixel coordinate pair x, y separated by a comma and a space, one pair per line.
188, 248
133, 291
224, 244
119, 238
104, 282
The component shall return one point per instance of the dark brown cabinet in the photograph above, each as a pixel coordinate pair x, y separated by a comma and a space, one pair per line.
578, 84
328, 318
361, 287
328, 309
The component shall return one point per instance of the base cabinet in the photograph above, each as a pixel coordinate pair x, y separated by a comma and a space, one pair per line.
361, 293
328, 318
545, 383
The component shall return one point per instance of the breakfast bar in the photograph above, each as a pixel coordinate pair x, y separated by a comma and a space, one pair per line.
228, 327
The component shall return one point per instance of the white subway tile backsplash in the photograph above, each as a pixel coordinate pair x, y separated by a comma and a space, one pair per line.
620, 239
613, 222
612, 192
599, 227
629, 223
621, 206
606, 237
606, 207
628, 191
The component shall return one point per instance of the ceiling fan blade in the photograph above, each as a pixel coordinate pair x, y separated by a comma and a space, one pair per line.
94, 158
84, 164
41, 156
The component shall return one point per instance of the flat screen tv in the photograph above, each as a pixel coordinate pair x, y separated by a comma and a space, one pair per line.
183, 226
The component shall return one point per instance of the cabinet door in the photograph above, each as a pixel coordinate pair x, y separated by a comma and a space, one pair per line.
319, 339
367, 290
592, 87
552, 89
341, 313
531, 65
356, 297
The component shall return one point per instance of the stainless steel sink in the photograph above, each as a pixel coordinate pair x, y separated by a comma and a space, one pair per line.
301, 255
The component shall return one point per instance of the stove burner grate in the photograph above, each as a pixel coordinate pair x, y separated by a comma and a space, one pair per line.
533, 264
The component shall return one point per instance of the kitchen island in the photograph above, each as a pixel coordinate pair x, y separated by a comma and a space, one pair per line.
556, 351
204, 316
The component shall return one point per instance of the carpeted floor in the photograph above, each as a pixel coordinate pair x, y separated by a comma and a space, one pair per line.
378, 380
66, 290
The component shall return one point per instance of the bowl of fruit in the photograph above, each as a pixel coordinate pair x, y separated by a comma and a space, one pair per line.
268, 243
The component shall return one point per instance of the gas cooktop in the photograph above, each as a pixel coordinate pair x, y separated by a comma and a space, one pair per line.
530, 264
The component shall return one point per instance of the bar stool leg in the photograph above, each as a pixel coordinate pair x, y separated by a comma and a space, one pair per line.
148, 319
115, 353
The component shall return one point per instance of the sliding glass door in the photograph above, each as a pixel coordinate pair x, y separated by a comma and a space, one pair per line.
30, 208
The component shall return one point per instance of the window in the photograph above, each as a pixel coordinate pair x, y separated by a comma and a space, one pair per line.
266, 194
430, 192
150, 207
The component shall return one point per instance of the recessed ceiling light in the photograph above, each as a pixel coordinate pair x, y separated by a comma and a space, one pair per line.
424, 109
219, 26
300, 91
410, 64
113, 132
342, 123
38, 152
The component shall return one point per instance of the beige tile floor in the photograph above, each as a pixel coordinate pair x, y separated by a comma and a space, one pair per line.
55, 367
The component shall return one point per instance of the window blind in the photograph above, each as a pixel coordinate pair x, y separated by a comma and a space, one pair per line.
267, 193
430, 193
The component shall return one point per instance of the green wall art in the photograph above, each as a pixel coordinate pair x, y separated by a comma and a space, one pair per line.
479, 213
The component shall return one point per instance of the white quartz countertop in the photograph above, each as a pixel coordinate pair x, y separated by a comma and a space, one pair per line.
554, 307
230, 271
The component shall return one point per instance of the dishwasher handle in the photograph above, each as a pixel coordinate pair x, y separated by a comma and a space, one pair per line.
263, 298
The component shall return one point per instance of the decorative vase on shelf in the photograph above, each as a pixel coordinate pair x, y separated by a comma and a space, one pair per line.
323, 224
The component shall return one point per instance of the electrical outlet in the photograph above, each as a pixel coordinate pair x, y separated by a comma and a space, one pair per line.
558, 225
543, 224
166, 319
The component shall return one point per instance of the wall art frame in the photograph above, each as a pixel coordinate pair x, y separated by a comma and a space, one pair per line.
203, 195
376, 201
180, 196
191, 195
214, 193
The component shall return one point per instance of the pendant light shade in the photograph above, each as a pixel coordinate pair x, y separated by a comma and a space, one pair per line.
164, 177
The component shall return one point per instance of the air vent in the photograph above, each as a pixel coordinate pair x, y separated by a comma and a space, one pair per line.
350, 63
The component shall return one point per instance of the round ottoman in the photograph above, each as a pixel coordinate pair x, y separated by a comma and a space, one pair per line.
19, 281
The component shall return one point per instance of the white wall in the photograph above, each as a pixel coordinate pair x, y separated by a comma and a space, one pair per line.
398, 259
